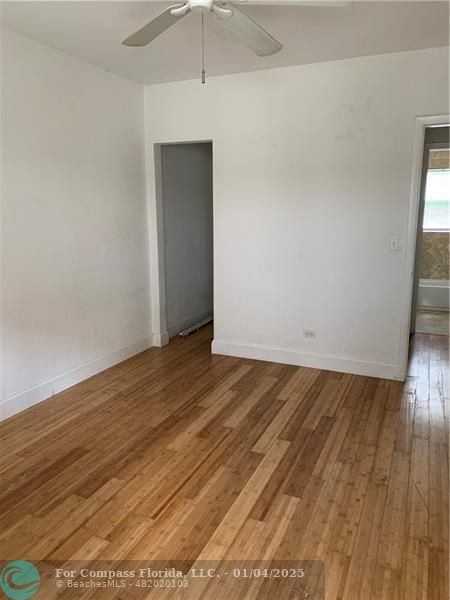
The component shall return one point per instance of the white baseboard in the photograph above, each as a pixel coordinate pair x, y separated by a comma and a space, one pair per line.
160, 339
16, 403
433, 308
306, 359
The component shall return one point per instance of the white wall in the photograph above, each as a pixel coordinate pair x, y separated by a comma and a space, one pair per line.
75, 248
312, 175
186, 174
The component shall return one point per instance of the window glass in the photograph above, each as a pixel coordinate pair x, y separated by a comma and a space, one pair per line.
437, 192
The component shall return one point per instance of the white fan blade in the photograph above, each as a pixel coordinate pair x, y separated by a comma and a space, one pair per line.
156, 26
250, 33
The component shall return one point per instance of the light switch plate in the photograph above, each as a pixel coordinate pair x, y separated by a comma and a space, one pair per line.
394, 244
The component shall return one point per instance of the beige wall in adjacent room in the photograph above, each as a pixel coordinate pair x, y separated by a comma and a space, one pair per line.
435, 255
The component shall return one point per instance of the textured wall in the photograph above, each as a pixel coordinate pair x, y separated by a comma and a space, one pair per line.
435, 255
439, 159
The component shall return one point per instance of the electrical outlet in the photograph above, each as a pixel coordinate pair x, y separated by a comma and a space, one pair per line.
310, 334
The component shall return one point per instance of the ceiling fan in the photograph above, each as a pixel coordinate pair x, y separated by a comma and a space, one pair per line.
245, 29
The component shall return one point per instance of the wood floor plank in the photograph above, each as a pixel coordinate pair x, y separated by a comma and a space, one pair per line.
225, 534
176, 454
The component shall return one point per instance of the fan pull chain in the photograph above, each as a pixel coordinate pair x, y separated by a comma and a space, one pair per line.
203, 50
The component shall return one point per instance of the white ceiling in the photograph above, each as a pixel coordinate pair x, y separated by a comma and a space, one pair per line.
93, 31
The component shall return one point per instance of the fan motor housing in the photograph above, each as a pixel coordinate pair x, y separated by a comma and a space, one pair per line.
202, 6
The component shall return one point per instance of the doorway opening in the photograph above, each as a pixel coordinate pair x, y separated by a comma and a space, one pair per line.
186, 231
431, 288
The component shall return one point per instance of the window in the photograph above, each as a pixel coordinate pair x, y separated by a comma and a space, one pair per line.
437, 192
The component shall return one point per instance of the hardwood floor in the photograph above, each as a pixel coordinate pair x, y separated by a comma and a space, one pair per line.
177, 454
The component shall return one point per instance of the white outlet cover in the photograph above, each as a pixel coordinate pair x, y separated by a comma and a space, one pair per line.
309, 333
